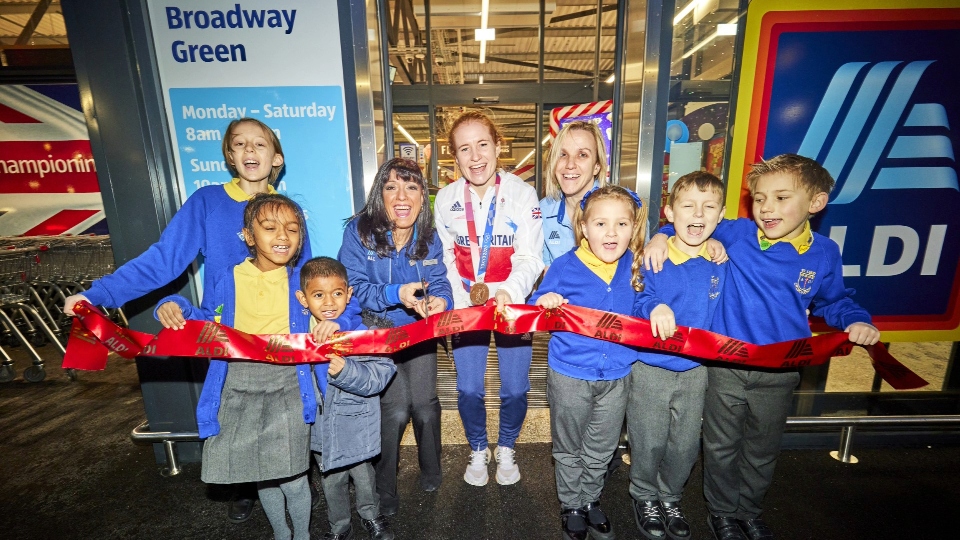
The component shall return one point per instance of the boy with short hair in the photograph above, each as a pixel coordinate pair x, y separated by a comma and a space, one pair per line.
667, 391
778, 269
344, 445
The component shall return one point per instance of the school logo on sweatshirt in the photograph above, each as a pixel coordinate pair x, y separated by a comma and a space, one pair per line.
554, 237
714, 291
457, 207
805, 281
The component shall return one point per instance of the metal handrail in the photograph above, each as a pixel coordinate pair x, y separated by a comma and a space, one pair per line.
848, 426
871, 420
142, 434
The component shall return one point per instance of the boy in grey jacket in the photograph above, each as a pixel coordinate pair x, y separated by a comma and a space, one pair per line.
346, 434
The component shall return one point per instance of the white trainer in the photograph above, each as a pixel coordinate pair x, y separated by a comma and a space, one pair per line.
476, 474
507, 470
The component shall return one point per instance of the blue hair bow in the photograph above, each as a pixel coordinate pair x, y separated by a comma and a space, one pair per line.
583, 202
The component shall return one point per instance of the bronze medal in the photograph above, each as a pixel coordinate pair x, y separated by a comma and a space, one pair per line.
479, 294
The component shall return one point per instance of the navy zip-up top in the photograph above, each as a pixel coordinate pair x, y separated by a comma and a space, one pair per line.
376, 280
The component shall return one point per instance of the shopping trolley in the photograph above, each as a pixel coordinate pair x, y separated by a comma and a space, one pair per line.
20, 322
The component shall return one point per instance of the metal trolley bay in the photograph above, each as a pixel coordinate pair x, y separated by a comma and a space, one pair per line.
37, 274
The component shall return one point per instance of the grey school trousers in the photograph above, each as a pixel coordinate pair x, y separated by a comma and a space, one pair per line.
663, 424
745, 412
336, 490
585, 422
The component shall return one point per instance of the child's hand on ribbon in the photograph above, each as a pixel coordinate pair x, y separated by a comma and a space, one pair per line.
551, 300
863, 333
336, 364
663, 323
171, 316
323, 330
72, 301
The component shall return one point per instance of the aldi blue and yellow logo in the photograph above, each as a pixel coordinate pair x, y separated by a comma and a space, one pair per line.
867, 88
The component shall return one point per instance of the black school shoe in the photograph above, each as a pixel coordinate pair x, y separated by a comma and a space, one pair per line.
341, 536
574, 524
378, 528
649, 519
725, 528
674, 521
240, 509
756, 529
597, 522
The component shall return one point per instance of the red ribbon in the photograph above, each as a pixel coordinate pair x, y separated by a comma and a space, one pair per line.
93, 335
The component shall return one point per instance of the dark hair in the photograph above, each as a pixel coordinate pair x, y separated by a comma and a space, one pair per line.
373, 223
809, 174
702, 180
320, 267
615, 192
268, 133
263, 203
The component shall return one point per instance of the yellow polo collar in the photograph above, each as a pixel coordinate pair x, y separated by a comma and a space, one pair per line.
235, 192
801, 243
604, 270
678, 257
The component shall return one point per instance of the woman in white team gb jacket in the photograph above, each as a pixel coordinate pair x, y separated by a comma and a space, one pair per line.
490, 226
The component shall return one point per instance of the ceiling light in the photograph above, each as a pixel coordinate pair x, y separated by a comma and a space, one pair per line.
406, 134
710, 38
524, 160
683, 12
479, 34
729, 29
481, 79
610, 79
485, 34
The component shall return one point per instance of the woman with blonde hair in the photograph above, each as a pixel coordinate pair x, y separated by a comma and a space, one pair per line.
576, 164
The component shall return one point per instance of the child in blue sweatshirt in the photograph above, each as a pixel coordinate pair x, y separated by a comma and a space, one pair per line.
256, 417
778, 269
666, 390
346, 435
210, 223
588, 380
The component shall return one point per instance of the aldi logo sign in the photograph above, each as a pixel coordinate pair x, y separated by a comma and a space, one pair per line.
870, 94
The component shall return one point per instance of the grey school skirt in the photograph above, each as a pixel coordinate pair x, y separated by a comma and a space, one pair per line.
262, 432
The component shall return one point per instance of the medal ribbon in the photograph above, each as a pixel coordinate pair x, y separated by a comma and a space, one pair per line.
93, 333
479, 250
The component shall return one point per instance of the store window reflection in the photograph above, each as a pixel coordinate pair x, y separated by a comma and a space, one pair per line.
33, 35
701, 69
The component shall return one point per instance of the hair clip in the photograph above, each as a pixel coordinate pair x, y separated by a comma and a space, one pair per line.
634, 196
583, 201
